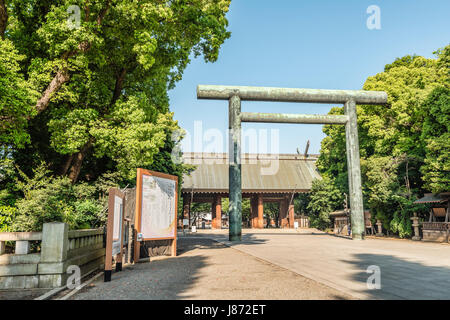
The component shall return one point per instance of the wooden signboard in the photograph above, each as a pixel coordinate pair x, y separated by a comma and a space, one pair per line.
156, 208
114, 231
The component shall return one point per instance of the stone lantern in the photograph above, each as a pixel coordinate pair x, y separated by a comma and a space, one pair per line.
379, 228
415, 224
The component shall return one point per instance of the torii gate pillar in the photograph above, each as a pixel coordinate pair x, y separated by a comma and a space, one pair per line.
354, 171
234, 170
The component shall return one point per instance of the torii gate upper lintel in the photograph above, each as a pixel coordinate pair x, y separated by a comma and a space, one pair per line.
349, 98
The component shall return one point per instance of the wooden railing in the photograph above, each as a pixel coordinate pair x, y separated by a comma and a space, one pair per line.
439, 226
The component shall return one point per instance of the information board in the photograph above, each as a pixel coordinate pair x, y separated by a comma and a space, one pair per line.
156, 207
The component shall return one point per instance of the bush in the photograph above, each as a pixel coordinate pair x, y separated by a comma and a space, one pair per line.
7, 215
49, 199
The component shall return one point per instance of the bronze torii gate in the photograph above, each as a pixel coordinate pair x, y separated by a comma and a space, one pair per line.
349, 98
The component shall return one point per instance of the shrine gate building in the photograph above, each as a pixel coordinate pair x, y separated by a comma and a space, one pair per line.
265, 178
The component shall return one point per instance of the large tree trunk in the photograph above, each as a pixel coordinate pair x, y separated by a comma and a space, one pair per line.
65, 167
119, 85
3, 18
77, 161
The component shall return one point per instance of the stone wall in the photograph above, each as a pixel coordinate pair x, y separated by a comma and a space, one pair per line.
436, 231
435, 235
59, 249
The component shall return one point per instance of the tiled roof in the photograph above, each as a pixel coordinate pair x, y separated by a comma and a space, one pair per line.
260, 173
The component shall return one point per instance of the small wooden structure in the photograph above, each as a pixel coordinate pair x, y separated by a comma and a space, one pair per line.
438, 226
341, 220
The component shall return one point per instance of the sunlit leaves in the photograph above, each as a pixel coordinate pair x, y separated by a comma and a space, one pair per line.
436, 138
16, 97
324, 198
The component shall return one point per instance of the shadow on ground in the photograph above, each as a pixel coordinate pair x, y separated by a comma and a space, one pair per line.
401, 279
249, 239
202, 272
160, 279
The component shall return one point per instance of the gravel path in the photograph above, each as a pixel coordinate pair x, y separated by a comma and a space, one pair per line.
205, 269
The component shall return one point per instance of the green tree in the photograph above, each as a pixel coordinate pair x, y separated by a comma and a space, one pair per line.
332, 160
16, 97
404, 145
436, 136
301, 202
102, 86
225, 205
91, 101
271, 210
7, 217
324, 198
245, 207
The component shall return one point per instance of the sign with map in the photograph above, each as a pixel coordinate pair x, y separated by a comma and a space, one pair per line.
156, 199
158, 207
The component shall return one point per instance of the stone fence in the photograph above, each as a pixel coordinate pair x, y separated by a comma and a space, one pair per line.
59, 249
436, 231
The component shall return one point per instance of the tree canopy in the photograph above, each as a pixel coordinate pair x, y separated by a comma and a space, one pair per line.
90, 98
404, 146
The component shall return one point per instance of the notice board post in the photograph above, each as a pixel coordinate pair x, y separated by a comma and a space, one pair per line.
156, 209
114, 231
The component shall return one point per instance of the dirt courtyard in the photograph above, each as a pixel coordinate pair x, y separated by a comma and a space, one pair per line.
206, 269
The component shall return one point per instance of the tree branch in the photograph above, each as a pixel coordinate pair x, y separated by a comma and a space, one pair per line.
78, 160
103, 13
61, 77
65, 167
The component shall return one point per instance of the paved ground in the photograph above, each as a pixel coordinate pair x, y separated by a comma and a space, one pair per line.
409, 269
284, 264
206, 269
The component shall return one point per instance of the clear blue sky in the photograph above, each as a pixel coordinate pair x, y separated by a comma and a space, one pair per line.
305, 44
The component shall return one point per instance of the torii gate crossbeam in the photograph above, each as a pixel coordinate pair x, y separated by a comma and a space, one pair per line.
349, 98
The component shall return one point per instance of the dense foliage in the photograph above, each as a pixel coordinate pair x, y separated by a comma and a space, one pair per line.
48, 198
404, 146
324, 198
83, 103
